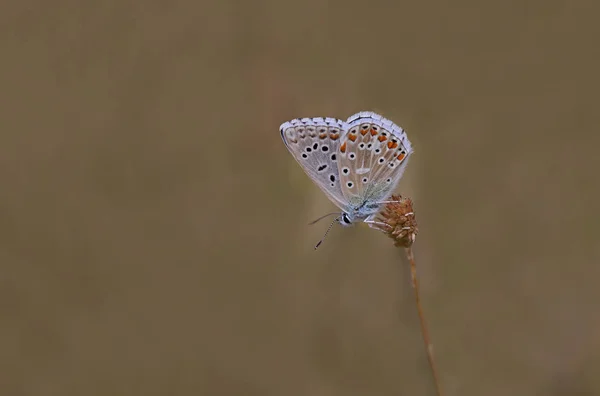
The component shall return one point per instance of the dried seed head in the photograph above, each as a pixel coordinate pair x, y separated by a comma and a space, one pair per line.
398, 221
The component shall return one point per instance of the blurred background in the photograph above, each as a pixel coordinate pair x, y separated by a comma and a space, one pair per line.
153, 227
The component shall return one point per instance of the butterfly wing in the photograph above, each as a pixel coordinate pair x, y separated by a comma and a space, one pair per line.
373, 155
314, 143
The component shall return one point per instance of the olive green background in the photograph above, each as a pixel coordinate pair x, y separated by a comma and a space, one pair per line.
153, 227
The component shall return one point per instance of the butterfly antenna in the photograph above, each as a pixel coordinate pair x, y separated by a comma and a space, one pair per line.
327, 232
322, 217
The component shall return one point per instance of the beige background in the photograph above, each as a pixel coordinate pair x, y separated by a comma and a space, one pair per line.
153, 236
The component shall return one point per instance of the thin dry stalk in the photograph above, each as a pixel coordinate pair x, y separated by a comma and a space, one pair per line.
424, 330
397, 221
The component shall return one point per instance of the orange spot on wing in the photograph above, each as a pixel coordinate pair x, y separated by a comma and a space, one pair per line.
382, 138
363, 132
373, 132
334, 136
401, 157
343, 147
322, 136
352, 137
392, 145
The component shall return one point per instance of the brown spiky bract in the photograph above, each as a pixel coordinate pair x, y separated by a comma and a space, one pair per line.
399, 220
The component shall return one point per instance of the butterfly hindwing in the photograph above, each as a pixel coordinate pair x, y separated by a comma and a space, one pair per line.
314, 143
373, 155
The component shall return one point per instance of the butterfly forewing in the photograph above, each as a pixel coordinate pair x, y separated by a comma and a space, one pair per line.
314, 143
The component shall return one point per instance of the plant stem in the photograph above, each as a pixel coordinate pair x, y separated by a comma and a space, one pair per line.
424, 331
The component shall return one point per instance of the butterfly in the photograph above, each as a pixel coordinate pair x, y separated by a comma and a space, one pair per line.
357, 163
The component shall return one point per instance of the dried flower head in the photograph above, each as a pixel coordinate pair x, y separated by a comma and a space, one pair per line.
397, 220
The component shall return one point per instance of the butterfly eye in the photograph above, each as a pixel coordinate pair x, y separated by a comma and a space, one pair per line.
345, 219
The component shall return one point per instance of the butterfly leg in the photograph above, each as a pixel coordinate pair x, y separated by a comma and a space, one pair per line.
370, 221
386, 202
